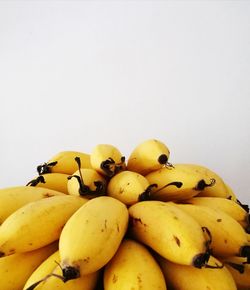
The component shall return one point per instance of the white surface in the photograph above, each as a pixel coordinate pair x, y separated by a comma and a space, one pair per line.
75, 74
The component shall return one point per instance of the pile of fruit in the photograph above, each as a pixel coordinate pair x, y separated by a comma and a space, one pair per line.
103, 221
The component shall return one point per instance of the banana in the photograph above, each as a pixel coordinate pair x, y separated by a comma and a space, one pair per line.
86, 182
91, 236
129, 187
55, 181
48, 276
37, 223
178, 183
64, 162
107, 160
227, 235
12, 198
219, 189
240, 271
228, 206
16, 269
184, 277
133, 267
169, 231
148, 156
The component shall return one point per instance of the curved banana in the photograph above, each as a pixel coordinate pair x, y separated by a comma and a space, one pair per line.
219, 189
169, 231
91, 236
178, 183
148, 156
12, 198
184, 277
228, 206
129, 187
64, 162
55, 181
86, 182
37, 223
16, 269
240, 271
107, 160
228, 236
133, 267
49, 276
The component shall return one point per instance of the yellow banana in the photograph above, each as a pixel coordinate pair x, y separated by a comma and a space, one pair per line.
129, 187
228, 236
219, 188
184, 277
91, 236
12, 198
178, 183
55, 181
230, 193
86, 182
240, 271
48, 276
148, 156
37, 223
64, 162
228, 206
107, 159
16, 269
133, 267
169, 231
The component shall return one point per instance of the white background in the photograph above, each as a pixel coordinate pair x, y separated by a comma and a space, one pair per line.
77, 73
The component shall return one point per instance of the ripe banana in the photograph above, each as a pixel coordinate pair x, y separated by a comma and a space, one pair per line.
178, 183
129, 187
240, 271
228, 236
169, 231
48, 276
12, 198
37, 224
148, 156
64, 162
107, 160
55, 181
86, 182
91, 236
219, 188
228, 206
16, 269
184, 277
133, 267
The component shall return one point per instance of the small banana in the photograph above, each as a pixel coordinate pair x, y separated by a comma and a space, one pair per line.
55, 181
129, 187
12, 198
170, 232
219, 188
91, 236
184, 277
178, 183
228, 236
133, 267
240, 270
228, 206
107, 160
64, 162
16, 269
48, 276
37, 223
86, 182
148, 156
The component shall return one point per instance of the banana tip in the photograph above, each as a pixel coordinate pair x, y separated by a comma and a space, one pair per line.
70, 273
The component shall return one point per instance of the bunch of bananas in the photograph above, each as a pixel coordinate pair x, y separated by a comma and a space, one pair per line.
99, 221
